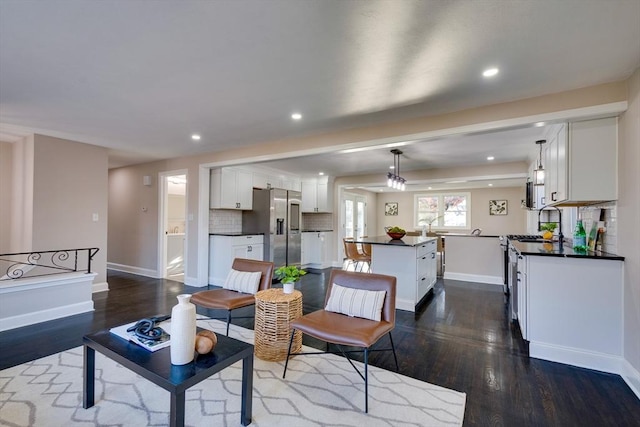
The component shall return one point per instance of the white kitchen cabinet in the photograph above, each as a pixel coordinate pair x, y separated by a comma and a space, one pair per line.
415, 268
573, 311
317, 194
581, 163
316, 248
522, 297
224, 249
231, 188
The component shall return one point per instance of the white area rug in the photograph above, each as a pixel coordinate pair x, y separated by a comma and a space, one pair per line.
321, 390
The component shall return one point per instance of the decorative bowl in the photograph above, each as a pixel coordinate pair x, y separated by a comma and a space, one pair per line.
395, 236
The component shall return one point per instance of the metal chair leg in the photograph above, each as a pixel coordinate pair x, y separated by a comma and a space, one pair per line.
228, 321
286, 363
393, 348
366, 381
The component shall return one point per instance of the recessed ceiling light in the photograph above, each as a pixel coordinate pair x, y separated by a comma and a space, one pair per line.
428, 188
392, 167
490, 72
320, 173
195, 137
490, 158
490, 185
539, 124
296, 116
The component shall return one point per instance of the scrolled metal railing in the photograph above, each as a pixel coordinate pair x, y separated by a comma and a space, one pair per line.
42, 263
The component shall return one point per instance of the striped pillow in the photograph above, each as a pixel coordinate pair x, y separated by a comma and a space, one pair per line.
243, 281
356, 302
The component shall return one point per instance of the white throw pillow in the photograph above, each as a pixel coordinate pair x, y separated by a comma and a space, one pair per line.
243, 281
356, 302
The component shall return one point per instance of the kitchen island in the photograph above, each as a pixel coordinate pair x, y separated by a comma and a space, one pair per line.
569, 304
412, 260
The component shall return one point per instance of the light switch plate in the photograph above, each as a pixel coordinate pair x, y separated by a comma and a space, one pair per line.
96, 217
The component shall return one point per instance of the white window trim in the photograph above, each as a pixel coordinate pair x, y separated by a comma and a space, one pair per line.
440, 195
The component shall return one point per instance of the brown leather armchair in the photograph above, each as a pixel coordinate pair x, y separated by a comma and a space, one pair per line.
342, 330
229, 300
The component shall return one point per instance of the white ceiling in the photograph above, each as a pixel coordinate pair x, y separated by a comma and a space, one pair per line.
141, 77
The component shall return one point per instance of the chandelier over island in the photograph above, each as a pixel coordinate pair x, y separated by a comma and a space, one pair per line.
394, 180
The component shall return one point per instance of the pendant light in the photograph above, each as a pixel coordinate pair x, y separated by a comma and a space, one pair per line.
394, 180
538, 173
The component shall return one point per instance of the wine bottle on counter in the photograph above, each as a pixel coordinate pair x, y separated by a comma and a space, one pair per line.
579, 237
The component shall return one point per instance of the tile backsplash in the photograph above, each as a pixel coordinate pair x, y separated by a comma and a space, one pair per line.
591, 214
225, 221
317, 221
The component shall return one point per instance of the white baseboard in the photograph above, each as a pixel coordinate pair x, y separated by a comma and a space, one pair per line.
45, 315
193, 281
577, 357
464, 277
135, 270
100, 287
632, 377
405, 304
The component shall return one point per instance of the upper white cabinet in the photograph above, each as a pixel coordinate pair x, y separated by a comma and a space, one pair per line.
231, 188
581, 163
266, 178
317, 194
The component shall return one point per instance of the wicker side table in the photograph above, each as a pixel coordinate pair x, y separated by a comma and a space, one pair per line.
274, 311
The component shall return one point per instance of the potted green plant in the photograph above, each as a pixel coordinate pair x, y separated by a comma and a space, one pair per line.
288, 276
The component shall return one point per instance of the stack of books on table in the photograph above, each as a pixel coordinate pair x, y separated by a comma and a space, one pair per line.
149, 344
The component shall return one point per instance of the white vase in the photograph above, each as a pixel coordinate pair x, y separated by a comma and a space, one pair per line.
288, 288
183, 331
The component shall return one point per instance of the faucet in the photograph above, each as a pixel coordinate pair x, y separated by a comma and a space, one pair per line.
560, 235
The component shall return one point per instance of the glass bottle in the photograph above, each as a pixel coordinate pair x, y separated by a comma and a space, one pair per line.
579, 237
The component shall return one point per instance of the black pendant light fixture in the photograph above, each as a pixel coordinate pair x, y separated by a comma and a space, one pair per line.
394, 180
538, 173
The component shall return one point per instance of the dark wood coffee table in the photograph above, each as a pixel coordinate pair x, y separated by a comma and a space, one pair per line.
156, 367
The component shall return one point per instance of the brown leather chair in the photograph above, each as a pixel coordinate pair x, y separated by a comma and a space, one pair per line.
226, 299
342, 330
354, 256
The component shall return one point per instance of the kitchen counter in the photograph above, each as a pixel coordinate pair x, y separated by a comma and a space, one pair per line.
317, 231
555, 250
410, 241
411, 260
238, 233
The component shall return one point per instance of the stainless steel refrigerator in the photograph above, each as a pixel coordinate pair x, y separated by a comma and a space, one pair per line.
276, 214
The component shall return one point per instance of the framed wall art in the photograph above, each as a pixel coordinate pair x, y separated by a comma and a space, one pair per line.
497, 207
391, 208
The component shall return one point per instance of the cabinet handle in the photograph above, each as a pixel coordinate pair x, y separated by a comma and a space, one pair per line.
433, 256
542, 200
553, 196
424, 278
249, 248
424, 257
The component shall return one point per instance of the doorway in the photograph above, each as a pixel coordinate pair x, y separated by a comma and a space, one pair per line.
172, 225
355, 216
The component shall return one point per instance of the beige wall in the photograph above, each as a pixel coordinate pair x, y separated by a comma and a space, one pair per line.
66, 194
143, 235
629, 222
512, 223
6, 179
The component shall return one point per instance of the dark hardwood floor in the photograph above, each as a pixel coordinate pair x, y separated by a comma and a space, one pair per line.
461, 339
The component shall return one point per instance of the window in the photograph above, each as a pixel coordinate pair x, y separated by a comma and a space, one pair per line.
443, 210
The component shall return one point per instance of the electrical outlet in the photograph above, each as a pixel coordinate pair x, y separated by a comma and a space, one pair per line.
95, 217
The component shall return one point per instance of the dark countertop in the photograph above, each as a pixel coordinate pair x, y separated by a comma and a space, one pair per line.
238, 233
465, 235
317, 231
386, 240
554, 249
